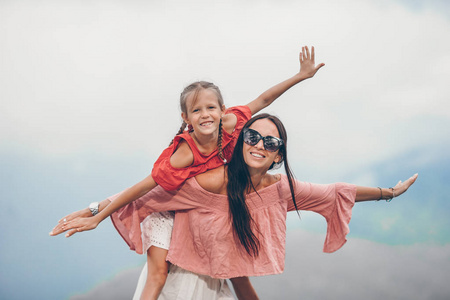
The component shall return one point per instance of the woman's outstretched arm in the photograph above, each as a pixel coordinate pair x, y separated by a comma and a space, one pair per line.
83, 213
374, 193
88, 222
83, 220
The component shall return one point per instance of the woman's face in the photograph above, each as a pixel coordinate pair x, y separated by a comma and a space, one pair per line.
257, 157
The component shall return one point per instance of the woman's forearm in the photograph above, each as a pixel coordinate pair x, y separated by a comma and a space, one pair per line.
372, 193
376, 193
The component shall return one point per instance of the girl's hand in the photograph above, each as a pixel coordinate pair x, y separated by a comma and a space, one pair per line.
308, 66
84, 213
76, 225
402, 187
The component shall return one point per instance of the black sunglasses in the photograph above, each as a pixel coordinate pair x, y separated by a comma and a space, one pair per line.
271, 143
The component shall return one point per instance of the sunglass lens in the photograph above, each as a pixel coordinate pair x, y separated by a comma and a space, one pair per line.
271, 144
251, 137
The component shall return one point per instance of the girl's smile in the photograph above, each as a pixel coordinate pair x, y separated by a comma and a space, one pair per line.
204, 112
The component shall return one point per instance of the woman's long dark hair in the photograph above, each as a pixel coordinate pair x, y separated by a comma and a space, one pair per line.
239, 183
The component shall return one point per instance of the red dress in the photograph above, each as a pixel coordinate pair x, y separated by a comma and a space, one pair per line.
171, 178
156, 229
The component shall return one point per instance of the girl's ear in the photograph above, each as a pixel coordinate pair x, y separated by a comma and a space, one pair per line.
185, 118
223, 109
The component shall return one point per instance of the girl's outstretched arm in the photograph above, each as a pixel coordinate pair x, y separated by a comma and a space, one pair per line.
308, 69
373, 193
82, 221
84, 213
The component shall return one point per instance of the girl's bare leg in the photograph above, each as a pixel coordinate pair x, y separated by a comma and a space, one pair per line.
157, 273
243, 288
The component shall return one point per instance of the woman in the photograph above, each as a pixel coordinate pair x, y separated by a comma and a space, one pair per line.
205, 241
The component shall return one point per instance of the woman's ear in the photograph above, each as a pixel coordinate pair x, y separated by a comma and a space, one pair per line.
278, 158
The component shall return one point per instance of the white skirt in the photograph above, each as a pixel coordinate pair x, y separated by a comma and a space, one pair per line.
157, 230
185, 285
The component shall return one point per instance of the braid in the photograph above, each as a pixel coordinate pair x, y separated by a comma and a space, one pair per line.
182, 128
219, 143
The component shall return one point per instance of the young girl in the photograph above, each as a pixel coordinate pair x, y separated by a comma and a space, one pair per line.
208, 143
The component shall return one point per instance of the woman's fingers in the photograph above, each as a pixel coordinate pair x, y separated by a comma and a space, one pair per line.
64, 225
75, 222
59, 228
411, 180
72, 232
402, 187
71, 228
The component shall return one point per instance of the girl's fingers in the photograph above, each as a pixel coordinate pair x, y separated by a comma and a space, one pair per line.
313, 56
319, 66
66, 218
307, 52
57, 229
69, 225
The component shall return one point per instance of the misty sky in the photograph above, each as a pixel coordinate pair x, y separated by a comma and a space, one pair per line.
89, 98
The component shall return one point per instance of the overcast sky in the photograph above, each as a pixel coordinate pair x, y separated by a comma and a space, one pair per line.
89, 97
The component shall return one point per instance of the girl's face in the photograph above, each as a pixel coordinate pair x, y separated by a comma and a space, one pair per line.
257, 157
204, 113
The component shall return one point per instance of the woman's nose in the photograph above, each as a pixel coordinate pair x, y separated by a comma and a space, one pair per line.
260, 144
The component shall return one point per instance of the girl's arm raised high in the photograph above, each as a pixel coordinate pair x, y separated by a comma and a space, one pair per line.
308, 69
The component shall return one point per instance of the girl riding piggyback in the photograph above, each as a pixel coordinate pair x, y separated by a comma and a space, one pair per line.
205, 141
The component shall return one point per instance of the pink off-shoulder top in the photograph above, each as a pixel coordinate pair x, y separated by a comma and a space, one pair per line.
202, 237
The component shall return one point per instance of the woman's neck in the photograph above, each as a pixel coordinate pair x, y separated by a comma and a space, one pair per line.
259, 179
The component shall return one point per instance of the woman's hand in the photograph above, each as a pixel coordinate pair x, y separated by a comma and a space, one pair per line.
308, 66
76, 225
402, 187
373, 193
84, 213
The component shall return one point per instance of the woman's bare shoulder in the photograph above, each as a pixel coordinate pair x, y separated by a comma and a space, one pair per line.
213, 180
270, 179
